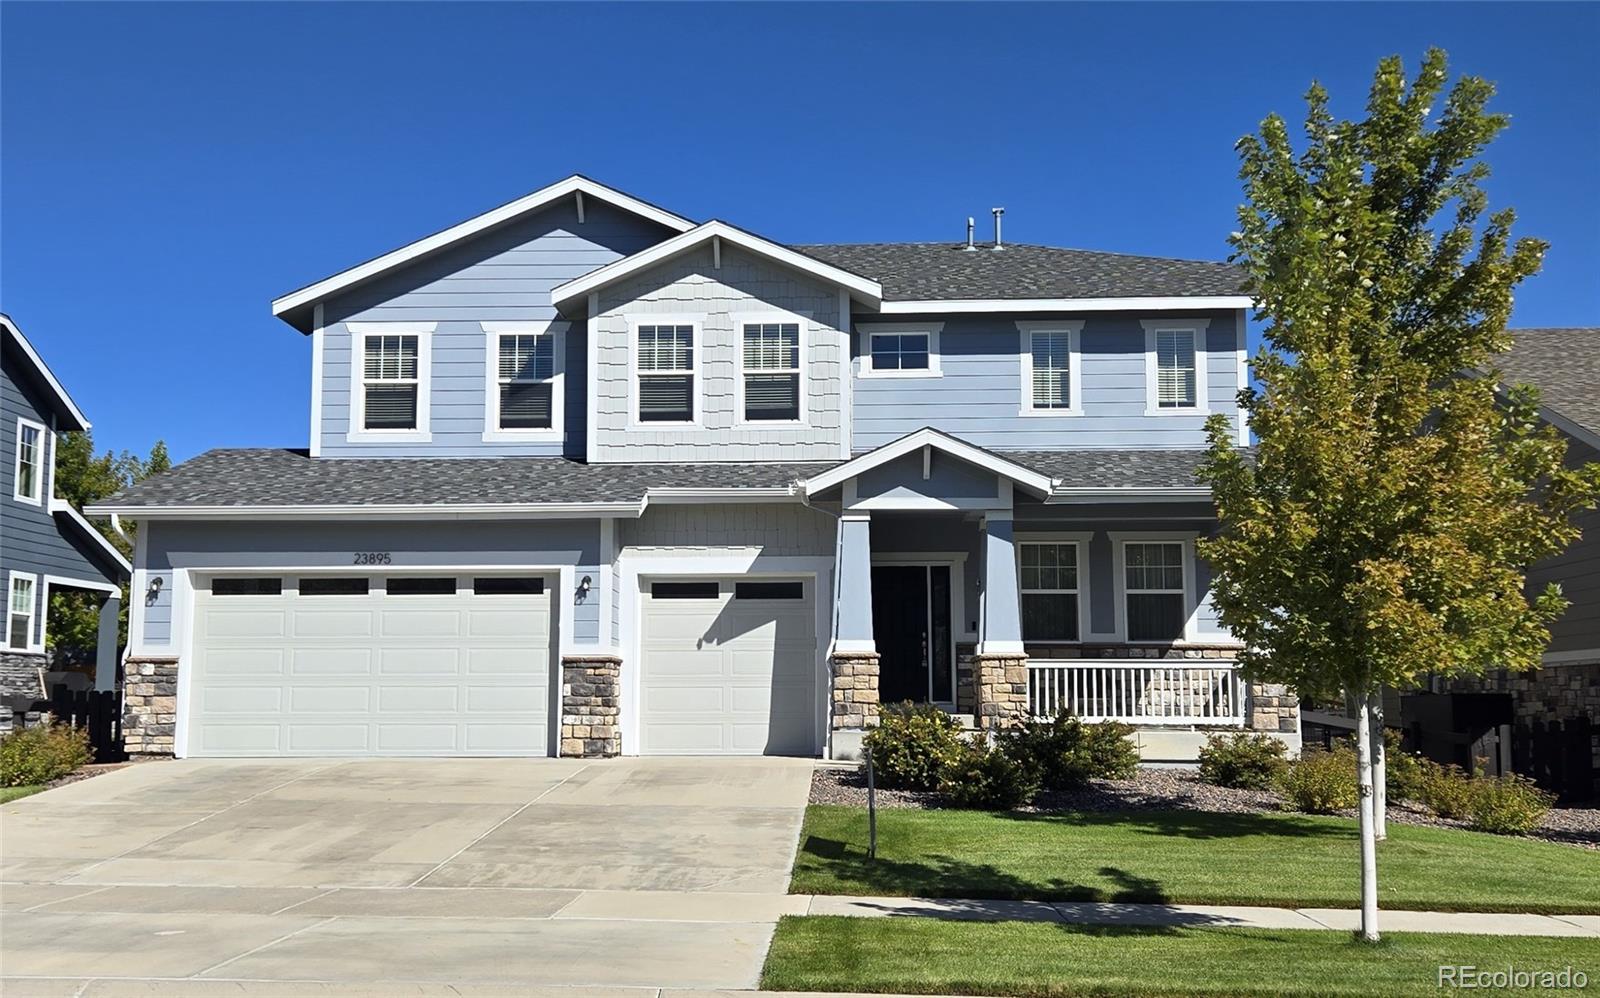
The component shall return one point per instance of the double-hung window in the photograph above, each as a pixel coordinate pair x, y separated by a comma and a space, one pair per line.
1155, 590
664, 362
391, 382
1175, 379
770, 369
900, 350
29, 483
525, 381
1051, 380
1048, 572
20, 611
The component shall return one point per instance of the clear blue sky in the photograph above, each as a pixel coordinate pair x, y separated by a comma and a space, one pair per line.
167, 170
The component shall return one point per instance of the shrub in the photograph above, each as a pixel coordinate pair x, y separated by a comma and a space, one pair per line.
1108, 752
1067, 753
1507, 805
1446, 790
978, 776
1244, 761
1322, 782
41, 753
911, 745
1403, 770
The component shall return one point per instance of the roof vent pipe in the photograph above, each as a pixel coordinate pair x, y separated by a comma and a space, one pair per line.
971, 246
997, 212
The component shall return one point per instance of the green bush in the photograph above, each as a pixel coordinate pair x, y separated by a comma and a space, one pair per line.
990, 779
1108, 752
1067, 753
1322, 782
1403, 770
1446, 790
911, 745
1508, 805
1245, 761
41, 753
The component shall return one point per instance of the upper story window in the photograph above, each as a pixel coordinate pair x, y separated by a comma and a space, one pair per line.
1155, 589
1048, 573
30, 469
1175, 377
525, 362
389, 398
900, 350
770, 371
20, 604
1052, 382
664, 367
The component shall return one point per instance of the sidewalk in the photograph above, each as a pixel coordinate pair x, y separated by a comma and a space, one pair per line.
1235, 916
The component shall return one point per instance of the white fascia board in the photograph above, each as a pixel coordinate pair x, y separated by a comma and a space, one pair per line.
1023, 476
967, 305
472, 226
867, 290
47, 376
1120, 494
364, 511
684, 496
60, 506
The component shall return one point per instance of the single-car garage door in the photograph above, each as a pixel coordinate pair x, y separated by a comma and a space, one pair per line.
370, 665
729, 667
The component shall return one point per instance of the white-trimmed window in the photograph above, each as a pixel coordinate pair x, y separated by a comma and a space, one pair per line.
21, 608
1052, 382
1175, 370
525, 380
900, 350
770, 379
664, 370
1049, 573
30, 468
1155, 589
390, 377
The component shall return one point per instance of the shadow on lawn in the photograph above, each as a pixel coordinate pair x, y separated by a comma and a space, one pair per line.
1191, 824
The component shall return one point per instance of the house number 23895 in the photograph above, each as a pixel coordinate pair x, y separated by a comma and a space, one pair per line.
372, 558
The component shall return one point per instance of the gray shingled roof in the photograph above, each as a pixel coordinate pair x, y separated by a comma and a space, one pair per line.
922, 271
273, 477
1564, 364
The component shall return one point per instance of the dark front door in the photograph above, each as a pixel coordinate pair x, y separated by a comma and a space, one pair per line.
911, 627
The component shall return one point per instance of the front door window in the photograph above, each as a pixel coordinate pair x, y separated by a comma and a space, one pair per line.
911, 627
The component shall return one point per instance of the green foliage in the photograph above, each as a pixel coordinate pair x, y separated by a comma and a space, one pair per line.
911, 745
1067, 753
1322, 782
1247, 760
1385, 524
1403, 770
979, 776
41, 753
1507, 805
1445, 790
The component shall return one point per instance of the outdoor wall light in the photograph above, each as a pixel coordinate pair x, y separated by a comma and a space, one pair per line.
153, 593
583, 589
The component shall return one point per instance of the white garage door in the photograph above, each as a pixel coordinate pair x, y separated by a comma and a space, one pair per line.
729, 667
359, 665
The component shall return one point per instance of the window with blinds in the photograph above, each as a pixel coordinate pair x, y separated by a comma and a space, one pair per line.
666, 374
771, 371
1175, 374
1154, 589
389, 383
1051, 351
526, 381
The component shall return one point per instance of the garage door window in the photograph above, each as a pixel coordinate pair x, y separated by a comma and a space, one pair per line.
684, 590
433, 586
507, 586
769, 590
247, 587
333, 587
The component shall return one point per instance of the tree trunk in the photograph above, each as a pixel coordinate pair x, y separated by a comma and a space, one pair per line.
1380, 771
1369, 841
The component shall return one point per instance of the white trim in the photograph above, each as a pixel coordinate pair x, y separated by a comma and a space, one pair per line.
492, 331
905, 504
46, 374
1074, 330
1160, 304
675, 496
930, 329
318, 338
928, 437
1152, 393
42, 458
69, 582
1580, 655
1121, 493
138, 585
58, 505
359, 333
591, 375
360, 511
1243, 360
771, 317
1080, 541
697, 371
1119, 580
507, 212
608, 555
33, 616
868, 290
847, 393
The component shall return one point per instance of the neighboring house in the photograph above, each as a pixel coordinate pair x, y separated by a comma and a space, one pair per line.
588, 477
45, 545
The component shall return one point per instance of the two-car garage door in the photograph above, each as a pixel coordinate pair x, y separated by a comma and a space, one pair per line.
371, 665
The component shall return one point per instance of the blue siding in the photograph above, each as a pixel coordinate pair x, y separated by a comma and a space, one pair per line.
979, 395
1577, 569
948, 478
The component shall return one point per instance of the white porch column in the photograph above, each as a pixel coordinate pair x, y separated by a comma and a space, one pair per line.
105, 652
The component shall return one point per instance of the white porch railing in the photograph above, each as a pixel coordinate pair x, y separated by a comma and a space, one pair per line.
1136, 693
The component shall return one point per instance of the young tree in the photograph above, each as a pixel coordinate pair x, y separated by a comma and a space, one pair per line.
1384, 526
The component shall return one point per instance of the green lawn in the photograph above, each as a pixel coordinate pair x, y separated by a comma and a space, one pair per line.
928, 956
9, 794
1185, 857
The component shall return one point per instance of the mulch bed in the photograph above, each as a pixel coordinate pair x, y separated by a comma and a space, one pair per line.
1180, 790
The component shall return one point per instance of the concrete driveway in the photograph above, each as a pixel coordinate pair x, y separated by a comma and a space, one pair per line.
476, 873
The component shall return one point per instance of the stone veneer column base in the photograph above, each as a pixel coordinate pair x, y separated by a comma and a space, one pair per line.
1002, 690
19, 676
149, 705
590, 706
854, 705
1273, 708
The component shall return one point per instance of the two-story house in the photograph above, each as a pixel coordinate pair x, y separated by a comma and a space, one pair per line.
586, 476
45, 544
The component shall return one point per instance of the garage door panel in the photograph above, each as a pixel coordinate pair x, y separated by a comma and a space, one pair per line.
509, 623
685, 738
329, 699
520, 738
417, 699
498, 699
685, 699
330, 662
419, 662
505, 661
343, 624
416, 737
750, 699
246, 623
419, 624
667, 663
259, 739
242, 700
684, 629
245, 662
313, 739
